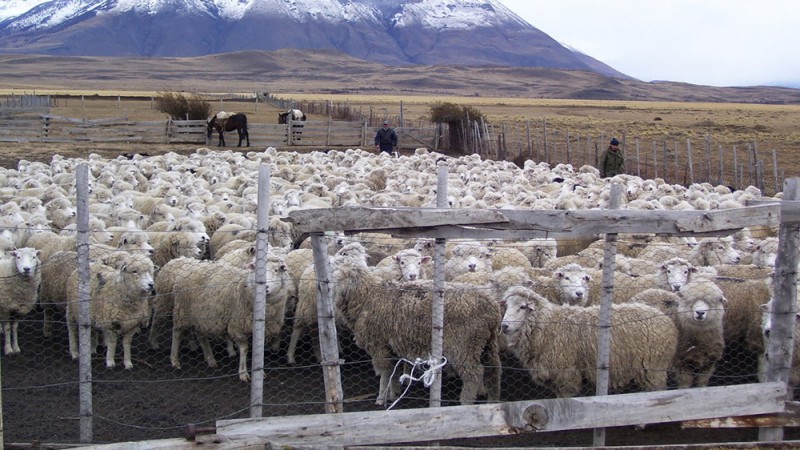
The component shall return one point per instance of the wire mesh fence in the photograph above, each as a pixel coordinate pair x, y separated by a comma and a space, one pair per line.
172, 308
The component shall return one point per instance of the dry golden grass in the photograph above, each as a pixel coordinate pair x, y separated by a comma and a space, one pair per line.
653, 123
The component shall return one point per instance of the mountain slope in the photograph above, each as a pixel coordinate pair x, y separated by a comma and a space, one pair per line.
440, 32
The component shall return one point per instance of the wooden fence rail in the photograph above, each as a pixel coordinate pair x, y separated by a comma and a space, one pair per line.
325, 133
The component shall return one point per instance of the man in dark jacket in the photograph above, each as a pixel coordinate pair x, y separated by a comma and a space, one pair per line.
612, 161
386, 139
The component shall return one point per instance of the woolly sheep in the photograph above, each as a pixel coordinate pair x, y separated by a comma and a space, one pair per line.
20, 278
700, 313
214, 300
305, 313
558, 343
389, 321
765, 252
177, 244
468, 257
742, 321
405, 265
120, 304
60, 212
568, 285
50, 243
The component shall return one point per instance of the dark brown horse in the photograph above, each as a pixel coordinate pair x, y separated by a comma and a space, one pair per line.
223, 122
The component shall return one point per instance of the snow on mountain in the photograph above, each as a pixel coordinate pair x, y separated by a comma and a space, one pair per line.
395, 32
14, 8
465, 15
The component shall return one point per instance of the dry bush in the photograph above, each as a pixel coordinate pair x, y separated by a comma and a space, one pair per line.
183, 107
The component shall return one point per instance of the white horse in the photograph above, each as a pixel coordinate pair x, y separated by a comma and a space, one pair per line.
292, 114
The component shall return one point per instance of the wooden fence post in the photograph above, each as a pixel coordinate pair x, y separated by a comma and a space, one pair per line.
605, 316
689, 155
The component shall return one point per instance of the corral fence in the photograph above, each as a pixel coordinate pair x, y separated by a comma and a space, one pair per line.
326, 395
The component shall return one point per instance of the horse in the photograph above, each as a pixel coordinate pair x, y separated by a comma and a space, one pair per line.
223, 121
292, 114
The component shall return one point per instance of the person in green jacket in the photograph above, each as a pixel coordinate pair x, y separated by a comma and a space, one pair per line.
612, 161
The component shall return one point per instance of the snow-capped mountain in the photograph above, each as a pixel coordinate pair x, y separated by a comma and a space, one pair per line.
395, 32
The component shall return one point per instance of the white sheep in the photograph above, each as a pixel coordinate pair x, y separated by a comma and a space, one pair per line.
405, 265
50, 243
700, 313
120, 304
390, 321
558, 343
215, 300
568, 285
20, 278
305, 313
468, 257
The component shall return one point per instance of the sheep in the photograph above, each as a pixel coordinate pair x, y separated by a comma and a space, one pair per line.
568, 285
20, 278
742, 321
389, 321
503, 256
120, 304
60, 212
405, 265
215, 300
305, 313
558, 343
700, 313
50, 243
468, 257
229, 232
177, 244
765, 252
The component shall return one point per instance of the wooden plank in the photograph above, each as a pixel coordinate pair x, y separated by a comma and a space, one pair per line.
790, 417
396, 426
363, 218
576, 223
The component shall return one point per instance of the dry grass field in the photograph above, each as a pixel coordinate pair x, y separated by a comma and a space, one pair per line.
512, 100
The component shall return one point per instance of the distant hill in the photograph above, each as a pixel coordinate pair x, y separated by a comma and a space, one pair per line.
330, 71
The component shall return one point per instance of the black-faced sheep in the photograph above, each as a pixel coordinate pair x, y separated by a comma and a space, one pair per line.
393, 321
20, 278
558, 343
120, 304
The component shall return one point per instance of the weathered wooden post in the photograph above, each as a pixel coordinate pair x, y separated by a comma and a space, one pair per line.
260, 301
780, 345
606, 300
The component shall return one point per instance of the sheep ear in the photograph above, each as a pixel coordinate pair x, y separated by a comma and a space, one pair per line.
588, 277
669, 303
692, 269
425, 260
558, 274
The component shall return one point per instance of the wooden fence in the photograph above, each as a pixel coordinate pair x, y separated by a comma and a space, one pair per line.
318, 134
676, 161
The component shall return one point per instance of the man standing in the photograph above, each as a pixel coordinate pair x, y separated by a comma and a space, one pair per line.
386, 139
612, 161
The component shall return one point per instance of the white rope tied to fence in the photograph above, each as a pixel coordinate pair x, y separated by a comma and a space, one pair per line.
428, 376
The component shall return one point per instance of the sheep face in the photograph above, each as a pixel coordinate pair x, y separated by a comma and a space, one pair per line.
410, 265
26, 260
573, 283
677, 272
517, 310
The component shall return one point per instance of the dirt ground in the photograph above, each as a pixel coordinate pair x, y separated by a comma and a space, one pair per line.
153, 401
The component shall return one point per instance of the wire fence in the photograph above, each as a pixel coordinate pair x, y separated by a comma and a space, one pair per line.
171, 304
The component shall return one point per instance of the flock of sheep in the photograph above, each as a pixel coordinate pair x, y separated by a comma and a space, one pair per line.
172, 245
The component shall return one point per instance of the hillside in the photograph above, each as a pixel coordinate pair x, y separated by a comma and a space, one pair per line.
330, 71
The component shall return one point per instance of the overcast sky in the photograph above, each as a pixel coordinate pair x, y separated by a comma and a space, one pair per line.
709, 42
